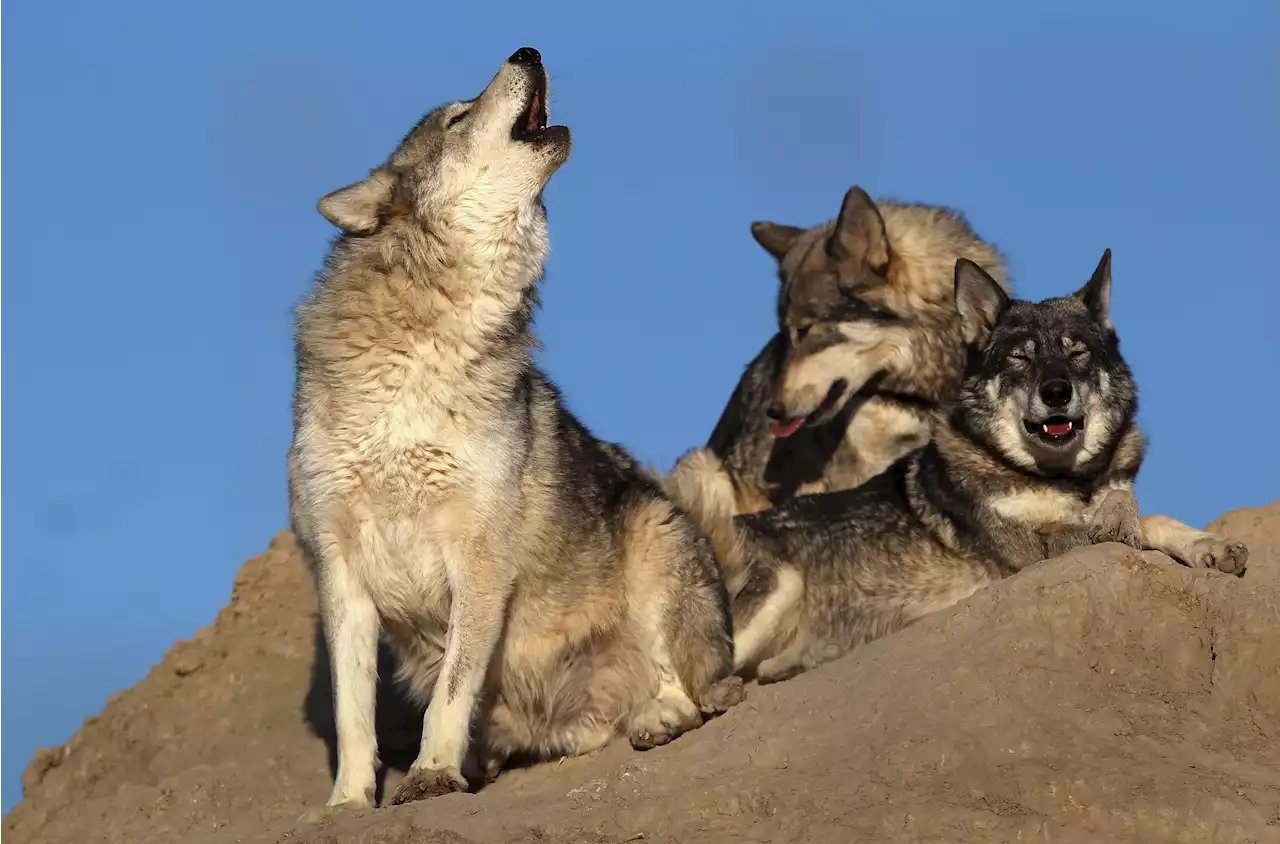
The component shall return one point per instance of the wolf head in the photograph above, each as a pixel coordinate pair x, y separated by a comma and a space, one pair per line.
1045, 385
868, 299
472, 166
837, 311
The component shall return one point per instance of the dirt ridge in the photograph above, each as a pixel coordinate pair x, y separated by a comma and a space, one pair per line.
1108, 695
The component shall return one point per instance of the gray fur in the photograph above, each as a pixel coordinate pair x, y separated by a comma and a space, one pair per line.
989, 495
868, 344
531, 578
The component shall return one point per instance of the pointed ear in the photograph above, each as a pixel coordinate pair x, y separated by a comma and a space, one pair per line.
776, 239
358, 208
1096, 294
859, 231
979, 300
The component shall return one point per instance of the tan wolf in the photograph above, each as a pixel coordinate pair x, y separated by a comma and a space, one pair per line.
868, 345
531, 578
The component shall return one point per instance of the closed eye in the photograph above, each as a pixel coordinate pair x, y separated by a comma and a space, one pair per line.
458, 118
1023, 356
855, 309
1079, 354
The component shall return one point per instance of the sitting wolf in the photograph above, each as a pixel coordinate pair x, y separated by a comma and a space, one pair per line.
530, 577
1037, 456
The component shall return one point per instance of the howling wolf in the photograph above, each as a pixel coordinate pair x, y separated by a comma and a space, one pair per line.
531, 578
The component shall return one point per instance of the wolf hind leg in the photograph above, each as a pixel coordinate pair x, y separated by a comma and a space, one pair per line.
507, 735
783, 666
1194, 548
682, 624
761, 619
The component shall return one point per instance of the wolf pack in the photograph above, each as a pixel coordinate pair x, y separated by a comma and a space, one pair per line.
911, 434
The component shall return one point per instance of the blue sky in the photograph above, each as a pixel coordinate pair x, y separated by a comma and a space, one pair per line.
165, 160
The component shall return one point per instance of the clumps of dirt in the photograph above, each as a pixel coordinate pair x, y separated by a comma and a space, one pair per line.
213, 737
1109, 695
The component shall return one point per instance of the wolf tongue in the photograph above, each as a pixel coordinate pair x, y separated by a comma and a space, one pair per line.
782, 431
1057, 429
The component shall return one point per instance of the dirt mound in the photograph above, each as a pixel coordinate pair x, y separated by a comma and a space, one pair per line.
1104, 696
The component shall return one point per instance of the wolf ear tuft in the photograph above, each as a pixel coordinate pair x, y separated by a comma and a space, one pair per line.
358, 208
979, 299
1096, 294
859, 232
776, 239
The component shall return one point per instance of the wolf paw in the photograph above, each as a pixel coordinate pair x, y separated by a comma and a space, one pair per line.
723, 696
779, 668
319, 813
493, 769
422, 783
1218, 552
1116, 520
662, 720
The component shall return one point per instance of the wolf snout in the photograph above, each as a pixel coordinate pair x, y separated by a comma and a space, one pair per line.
1056, 392
781, 424
525, 56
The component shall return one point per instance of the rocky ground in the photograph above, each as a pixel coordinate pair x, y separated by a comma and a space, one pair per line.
1105, 696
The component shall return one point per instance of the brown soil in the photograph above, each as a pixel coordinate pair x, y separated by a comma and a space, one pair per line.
1104, 696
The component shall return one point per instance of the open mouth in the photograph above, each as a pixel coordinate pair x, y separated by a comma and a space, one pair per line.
531, 123
824, 410
1055, 431
782, 430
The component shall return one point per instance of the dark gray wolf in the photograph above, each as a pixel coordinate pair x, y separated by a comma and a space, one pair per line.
1036, 456
868, 344
530, 577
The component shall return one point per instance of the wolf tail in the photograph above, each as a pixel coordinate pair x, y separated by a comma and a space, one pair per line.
701, 486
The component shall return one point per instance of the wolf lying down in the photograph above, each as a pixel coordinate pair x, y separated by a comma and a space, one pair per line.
1037, 456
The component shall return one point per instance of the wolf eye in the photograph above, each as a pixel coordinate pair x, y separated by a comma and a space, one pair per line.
870, 311
860, 309
457, 118
1077, 354
801, 332
1023, 356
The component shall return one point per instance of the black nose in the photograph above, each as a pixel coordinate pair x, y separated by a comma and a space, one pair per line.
526, 55
776, 411
1056, 392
